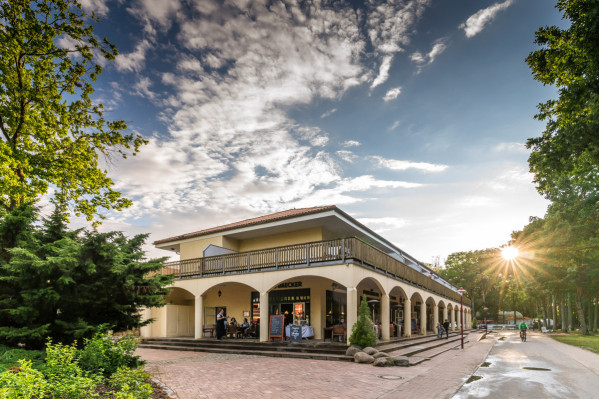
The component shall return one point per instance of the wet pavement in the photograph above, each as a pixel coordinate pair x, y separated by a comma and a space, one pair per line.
538, 368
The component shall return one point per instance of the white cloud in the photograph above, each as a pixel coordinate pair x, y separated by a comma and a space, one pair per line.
142, 88
97, 6
231, 147
383, 224
392, 94
134, 61
351, 143
395, 164
394, 126
347, 156
328, 113
476, 22
383, 72
439, 46
511, 147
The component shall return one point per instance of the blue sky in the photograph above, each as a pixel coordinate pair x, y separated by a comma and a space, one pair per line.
409, 115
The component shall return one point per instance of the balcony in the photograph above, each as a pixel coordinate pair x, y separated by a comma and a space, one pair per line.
305, 255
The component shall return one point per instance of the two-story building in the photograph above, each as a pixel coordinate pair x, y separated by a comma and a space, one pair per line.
312, 265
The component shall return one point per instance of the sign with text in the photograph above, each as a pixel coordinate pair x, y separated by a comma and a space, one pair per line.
276, 327
295, 333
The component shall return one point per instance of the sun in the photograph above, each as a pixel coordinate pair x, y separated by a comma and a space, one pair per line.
509, 253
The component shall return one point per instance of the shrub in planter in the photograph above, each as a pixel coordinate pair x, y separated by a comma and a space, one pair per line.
363, 334
474, 322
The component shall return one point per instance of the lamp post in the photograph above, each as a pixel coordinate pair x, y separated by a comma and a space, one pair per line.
486, 328
461, 291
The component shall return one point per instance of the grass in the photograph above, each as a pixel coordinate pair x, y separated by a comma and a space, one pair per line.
9, 357
588, 342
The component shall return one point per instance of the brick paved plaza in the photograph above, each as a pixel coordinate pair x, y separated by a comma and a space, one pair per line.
206, 375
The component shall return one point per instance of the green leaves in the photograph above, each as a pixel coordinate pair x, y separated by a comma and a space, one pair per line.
60, 283
567, 153
51, 132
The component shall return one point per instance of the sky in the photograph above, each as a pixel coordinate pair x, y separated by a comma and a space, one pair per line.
411, 116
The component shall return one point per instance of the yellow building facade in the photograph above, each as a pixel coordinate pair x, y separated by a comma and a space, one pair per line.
310, 265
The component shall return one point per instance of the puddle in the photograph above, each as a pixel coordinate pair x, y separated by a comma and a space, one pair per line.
536, 368
390, 377
485, 364
473, 378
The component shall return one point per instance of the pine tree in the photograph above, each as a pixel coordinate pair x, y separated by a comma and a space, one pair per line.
65, 284
363, 334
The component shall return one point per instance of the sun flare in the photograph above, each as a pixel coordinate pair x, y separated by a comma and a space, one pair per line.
509, 253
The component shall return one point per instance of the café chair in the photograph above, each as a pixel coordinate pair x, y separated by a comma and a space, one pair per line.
339, 331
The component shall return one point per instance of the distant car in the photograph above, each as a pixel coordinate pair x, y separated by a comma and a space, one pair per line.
482, 326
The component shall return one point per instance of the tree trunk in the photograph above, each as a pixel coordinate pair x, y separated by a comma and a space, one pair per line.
544, 312
580, 311
569, 312
563, 313
553, 313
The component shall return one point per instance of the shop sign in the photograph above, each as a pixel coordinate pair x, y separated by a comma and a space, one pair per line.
293, 284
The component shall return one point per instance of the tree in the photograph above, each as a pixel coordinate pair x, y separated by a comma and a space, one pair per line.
565, 158
64, 284
362, 333
52, 134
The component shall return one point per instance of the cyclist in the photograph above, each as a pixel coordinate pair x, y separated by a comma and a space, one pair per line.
523, 327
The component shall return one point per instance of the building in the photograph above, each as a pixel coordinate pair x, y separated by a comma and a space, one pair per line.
311, 265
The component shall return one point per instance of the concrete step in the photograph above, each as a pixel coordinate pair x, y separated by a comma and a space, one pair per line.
235, 346
253, 351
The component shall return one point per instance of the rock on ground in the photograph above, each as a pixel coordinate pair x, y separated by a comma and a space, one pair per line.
362, 357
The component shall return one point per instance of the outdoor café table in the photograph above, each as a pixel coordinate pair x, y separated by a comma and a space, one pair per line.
307, 331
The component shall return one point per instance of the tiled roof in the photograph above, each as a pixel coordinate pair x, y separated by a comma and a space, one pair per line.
290, 213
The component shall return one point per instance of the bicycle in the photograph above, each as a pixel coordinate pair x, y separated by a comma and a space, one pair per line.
523, 335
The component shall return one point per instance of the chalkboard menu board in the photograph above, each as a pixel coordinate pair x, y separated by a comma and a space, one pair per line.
276, 327
414, 326
295, 333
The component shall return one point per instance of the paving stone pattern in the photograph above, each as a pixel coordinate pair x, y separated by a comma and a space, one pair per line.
209, 375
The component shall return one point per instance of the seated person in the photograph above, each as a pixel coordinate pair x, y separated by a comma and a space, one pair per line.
342, 322
233, 321
244, 326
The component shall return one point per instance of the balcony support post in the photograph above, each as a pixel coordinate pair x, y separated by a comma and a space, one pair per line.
264, 319
199, 317
343, 250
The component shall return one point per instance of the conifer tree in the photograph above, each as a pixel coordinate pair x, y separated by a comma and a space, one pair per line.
64, 284
363, 334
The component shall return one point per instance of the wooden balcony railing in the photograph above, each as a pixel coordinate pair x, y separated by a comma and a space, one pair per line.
305, 255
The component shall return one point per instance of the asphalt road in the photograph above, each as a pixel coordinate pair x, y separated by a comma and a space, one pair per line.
571, 372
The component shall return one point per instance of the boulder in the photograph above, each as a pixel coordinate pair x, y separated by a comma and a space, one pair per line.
370, 350
380, 354
362, 357
383, 362
352, 350
401, 361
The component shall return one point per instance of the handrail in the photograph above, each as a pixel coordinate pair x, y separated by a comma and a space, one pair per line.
304, 255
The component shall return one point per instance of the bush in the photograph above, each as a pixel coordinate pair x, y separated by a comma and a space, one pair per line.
11, 356
474, 322
66, 380
362, 333
104, 355
131, 384
27, 383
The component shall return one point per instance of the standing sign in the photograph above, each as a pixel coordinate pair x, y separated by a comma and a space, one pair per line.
295, 333
276, 327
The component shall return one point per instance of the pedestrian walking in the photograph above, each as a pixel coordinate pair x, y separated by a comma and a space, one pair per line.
220, 324
446, 327
439, 330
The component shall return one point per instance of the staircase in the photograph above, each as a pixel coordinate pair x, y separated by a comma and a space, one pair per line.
418, 349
